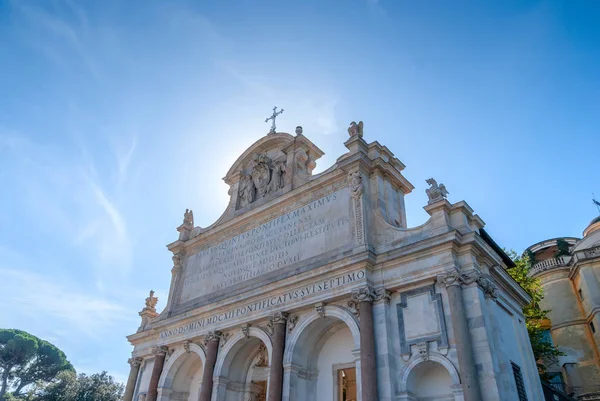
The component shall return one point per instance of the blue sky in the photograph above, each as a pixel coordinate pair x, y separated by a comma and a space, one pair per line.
115, 116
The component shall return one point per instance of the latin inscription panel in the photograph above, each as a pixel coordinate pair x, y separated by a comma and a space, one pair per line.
321, 226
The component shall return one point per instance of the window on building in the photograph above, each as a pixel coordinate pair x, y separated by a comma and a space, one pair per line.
592, 327
347, 384
580, 294
519, 382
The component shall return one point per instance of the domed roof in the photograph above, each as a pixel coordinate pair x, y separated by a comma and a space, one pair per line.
591, 236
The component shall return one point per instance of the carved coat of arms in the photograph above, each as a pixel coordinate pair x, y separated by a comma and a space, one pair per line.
263, 177
261, 174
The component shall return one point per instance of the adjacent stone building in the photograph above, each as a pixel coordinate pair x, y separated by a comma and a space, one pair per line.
569, 272
312, 287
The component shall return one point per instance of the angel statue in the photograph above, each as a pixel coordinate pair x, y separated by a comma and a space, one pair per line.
435, 192
356, 129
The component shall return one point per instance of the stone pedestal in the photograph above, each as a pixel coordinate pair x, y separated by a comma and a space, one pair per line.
159, 362
131, 380
211, 343
278, 323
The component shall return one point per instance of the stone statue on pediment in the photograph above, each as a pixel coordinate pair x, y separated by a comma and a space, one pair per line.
356, 129
435, 192
277, 180
301, 161
151, 302
247, 190
188, 218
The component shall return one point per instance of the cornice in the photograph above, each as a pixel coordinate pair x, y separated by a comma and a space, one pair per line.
508, 284
363, 260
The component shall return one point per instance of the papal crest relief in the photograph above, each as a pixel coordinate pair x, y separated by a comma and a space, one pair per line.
263, 176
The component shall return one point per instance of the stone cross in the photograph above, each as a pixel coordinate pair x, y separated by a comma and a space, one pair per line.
273, 117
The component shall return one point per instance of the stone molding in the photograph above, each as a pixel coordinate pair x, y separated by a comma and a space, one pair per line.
212, 336
246, 330
292, 321
470, 277
224, 338
320, 309
441, 337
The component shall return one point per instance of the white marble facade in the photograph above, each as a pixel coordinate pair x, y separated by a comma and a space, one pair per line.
371, 309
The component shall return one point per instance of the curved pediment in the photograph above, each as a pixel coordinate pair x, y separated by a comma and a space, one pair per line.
265, 145
270, 167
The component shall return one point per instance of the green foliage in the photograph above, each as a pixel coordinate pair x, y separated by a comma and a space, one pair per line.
70, 387
544, 351
563, 248
26, 359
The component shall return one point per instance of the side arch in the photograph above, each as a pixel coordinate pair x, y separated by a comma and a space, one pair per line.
442, 360
175, 361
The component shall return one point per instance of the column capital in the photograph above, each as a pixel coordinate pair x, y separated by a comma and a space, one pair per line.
278, 317
449, 279
381, 294
160, 351
467, 278
134, 362
364, 294
212, 336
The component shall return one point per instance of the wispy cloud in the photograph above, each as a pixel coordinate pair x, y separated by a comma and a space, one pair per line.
59, 36
32, 295
70, 201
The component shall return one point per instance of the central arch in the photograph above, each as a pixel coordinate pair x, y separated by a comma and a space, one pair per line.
243, 366
319, 349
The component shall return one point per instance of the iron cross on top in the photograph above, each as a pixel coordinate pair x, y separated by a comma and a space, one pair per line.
273, 117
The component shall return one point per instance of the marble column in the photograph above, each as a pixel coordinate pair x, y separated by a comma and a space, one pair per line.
211, 343
363, 299
462, 337
132, 379
278, 325
159, 361
384, 346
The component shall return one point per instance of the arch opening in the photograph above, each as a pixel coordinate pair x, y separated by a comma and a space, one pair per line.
244, 372
430, 380
323, 362
183, 379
